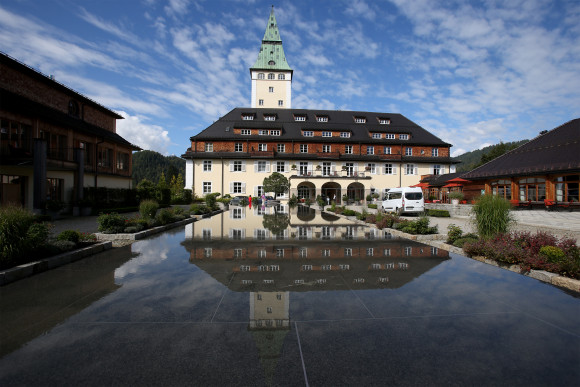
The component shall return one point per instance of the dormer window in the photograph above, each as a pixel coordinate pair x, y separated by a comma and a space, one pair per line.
403, 136
360, 120
326, 134
345, 134
281, 77
247, 117
376, 135
299, 118
269, 117
271, 63
271, 76
384, 121
260, 75
322, 118
274, 132
308, 133
390, 136
246, 132
263, 132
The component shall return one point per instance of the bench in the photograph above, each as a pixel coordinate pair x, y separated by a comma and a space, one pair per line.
570, 206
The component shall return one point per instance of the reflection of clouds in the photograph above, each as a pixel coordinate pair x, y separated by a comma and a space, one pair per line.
151, 251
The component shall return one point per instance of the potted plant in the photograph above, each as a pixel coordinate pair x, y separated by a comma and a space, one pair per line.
455, 197
344, 199
320, 201
293, 167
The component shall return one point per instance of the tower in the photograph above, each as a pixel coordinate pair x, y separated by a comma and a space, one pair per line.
271, 75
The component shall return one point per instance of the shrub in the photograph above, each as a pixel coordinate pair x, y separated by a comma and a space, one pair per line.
460, 242
492, 215
198, 209
64, 245
347, 212
454, 233
111, 223
164, 216
371, 205
210, 200
130, 230
362, 215
293, 201
438, 213
552, 254
69, 235
419, 226
14, 225
87, 237
148, 209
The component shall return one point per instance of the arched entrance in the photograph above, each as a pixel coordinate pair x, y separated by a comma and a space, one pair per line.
306, 190
331, 191
355, 191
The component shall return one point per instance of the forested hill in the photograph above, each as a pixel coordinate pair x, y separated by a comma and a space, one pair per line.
149, 165
474, 159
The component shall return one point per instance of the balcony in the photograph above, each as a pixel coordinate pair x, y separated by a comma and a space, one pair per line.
332, 174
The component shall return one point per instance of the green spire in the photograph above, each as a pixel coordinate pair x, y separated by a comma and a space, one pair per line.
271, 56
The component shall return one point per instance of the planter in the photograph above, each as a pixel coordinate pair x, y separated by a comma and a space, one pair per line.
455, 202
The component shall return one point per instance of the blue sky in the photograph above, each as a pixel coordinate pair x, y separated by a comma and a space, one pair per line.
472, 73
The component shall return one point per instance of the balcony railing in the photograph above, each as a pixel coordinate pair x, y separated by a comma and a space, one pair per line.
331, 173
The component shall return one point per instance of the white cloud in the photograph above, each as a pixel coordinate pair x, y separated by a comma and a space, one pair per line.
359, 8
146, 136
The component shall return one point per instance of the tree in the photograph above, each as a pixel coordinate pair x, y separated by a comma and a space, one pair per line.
177, 186
162, 182
276, 183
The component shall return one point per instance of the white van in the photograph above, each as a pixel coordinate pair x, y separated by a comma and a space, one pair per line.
404, 200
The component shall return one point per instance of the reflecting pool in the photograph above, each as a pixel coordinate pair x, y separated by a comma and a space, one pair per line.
272, 296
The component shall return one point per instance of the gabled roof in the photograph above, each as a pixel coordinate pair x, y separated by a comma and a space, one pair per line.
271, 55
338, 120
555, 151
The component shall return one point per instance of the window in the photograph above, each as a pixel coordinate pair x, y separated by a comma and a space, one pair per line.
503, 188
408, 151
370, 150
238, 252
209, 146
435, 152
299, 118
322, 118
349, 168
280, 102
534, 189
326, 134
348, 252
434, 251
370, 251
271, 76
246, 132
437, 169
269, 118
308, 133
281, 77
376, 135
261, 102
263, 132
403, 136
387, 150
390, 136
408, 251
54, 189
384, 121
207, 187
345, 134
73, 108
389, 170
360, 120
281, 148
270, 89
371, 168
260, 75
280, 166
303, 148
303, 252
238, 147
326, 169
348, 149
387, 252
104, 157
261, 166
262, 147
238, 187
207, 165
238, 166
122, 161
248, 117
326, 253
410, 169
306, 267
326, 148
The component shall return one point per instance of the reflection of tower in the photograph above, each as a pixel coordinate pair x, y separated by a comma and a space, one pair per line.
269, 324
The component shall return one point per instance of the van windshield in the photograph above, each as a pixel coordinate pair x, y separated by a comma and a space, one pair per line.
394, 195
413, 195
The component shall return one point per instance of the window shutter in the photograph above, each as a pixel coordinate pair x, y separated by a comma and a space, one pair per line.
267, 167
231, 167
231, 187
256, 191
286, 166
416, 170
394, 169
243, 166
243, 188
255, 166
